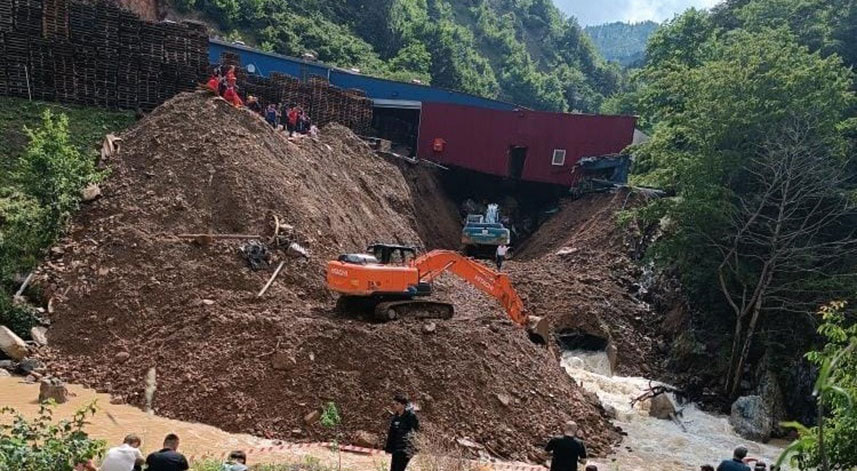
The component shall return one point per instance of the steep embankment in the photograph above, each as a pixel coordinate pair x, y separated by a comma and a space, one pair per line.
128, 295
577, 271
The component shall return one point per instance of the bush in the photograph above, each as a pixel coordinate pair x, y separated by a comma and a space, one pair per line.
53, 170
42, 445
19, 319
22, 233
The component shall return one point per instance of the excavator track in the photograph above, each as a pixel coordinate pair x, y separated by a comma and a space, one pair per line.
413, 309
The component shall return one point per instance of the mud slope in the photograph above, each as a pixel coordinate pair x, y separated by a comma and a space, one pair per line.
128, 295
576, 270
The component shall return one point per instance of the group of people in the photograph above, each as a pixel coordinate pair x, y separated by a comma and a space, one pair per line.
567, 450
740, 462
292, 117
225, 85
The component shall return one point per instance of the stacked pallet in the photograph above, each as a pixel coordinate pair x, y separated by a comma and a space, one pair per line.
96, 54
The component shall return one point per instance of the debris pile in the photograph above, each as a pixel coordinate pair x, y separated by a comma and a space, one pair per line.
577, 271
131, 300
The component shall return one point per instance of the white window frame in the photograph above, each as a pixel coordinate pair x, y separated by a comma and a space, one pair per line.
561, 161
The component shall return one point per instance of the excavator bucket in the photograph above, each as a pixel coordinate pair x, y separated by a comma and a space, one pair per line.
538, 328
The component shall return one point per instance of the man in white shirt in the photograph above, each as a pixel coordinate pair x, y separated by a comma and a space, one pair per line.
125, 457
501, 255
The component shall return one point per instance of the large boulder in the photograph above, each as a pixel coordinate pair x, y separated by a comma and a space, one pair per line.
11, 344
53, 388
751, 418
662, 407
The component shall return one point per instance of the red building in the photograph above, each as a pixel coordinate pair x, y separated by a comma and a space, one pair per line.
521, 144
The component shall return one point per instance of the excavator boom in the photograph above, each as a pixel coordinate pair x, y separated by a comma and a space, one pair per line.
493, 283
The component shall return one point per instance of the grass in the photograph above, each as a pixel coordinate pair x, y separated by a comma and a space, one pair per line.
308, 464
87, 127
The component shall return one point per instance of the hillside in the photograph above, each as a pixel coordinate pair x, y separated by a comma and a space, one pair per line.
624, 43
524, 52
129, 295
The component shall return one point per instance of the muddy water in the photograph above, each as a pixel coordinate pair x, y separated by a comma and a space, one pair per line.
112, 422
652, 443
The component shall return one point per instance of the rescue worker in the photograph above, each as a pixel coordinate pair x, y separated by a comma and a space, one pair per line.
213, 83
232, 97
271, 115
400, 438
293, 117
567, 450
502, 250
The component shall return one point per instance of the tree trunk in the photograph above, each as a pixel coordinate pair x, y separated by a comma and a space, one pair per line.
733, 356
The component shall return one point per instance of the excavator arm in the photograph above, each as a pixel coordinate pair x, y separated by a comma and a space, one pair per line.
433, 264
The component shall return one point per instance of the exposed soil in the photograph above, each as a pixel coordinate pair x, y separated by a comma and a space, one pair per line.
122, 282
577, 271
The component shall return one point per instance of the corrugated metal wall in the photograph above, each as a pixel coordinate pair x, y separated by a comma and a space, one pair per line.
480, 139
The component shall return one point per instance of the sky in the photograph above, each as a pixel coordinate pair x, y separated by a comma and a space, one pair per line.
595, 12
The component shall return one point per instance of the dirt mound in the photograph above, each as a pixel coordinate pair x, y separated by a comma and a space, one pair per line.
438, 221
122, 282
577, 271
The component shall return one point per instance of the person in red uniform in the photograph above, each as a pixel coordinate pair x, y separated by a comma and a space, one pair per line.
213, 83
230, 76
294, 116
231, 96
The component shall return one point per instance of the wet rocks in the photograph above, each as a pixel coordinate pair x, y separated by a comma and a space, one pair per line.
12, 345
53, 389
751, 418
662, 407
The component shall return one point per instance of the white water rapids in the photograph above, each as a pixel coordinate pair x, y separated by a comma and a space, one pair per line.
654, 444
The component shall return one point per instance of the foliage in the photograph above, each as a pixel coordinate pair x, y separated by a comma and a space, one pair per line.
330, 416
620, 42
830, 445
41, 444
18, 318
47, 157
717, 100
524, 51
53, 171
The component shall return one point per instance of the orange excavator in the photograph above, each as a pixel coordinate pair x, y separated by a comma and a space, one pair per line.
389, 280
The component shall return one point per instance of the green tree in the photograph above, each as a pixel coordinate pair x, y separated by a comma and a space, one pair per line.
830, 445
54, 171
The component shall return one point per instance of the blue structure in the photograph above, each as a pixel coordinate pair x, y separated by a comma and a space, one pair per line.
388, 93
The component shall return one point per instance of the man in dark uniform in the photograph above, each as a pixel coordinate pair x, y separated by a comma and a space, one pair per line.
737, 461
400, 438
567, 450
168, 458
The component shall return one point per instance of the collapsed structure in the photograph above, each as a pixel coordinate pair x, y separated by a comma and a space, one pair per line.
129, 292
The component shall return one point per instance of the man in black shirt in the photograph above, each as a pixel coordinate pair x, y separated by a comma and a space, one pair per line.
567, 450
168, 459
400, 438
737, 461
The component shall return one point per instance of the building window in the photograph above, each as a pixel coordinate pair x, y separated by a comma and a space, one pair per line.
558, 157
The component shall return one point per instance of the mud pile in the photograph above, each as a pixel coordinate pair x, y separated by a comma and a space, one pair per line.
128, 295
577, 271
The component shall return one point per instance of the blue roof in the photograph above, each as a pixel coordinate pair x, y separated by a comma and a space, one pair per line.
374, 87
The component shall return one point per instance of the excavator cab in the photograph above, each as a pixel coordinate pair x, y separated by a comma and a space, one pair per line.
388, 254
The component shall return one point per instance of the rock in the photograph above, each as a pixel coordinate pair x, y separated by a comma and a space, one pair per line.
53, 388
208, 302
504, 399
7, 364
429, 328
281, 361
117, 400
467, 443
122, 357
610, 411
90, 192
751, 418
4, 373
662, 407
365, 439
12, 345
312, 417
39, 335
591, 397
28, 365
774, 399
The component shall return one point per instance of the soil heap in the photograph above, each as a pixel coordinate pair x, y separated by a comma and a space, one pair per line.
577, 270
127, 295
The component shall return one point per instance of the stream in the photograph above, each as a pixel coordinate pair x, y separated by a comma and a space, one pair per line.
653, 443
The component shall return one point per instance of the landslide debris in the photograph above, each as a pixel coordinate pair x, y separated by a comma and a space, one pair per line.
577, 271
128, 295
